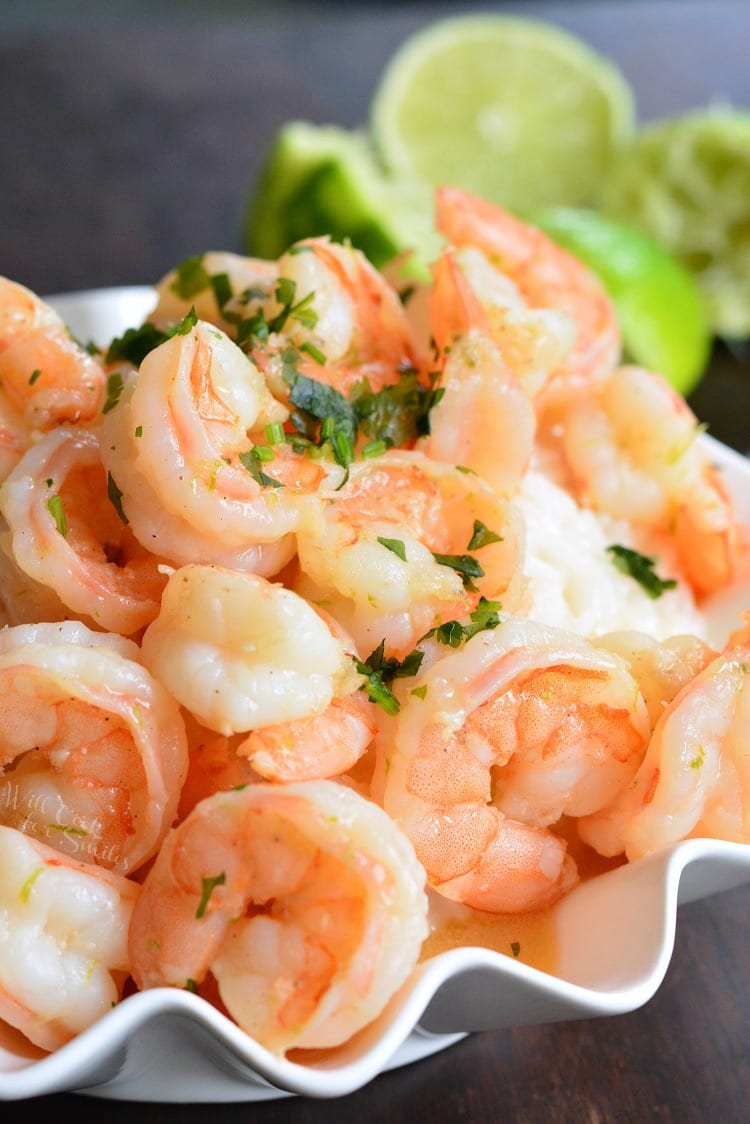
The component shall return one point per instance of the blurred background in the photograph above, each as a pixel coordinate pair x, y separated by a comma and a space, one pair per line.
135, 131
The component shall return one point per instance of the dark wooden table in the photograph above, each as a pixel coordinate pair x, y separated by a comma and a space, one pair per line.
124, 147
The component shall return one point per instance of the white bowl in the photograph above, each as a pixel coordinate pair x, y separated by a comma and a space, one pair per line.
614, 937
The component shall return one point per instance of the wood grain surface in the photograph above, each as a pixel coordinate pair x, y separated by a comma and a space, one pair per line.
125, 147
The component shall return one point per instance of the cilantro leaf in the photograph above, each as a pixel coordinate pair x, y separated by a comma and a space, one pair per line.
115, 498
57, 511
208, 886
453, 633
482, 536
463, 564
381, 672
252, 461
641, 568
135, 344
114, 390
396, 546
191, 278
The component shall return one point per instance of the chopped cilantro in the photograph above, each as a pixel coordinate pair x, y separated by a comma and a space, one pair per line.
222, 288
34, 376
252, 460
314, 352
380, 672
420, 692
114, 390
208, 885
641, 568
115, 497
396, 546
191, 278
186, 325
57, 511
139, 431
482, 536
482, 619
301, 311
463, 564
697, 761
396, 414
515, 948
251, 329
136, 343
191, 985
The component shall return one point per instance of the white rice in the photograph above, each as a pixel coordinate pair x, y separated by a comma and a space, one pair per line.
573, 581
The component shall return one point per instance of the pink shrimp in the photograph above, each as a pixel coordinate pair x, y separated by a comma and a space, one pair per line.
497, 741
67, 535
93, 748
384, 552
179, 446
484, 420
45, 375
350, 325
631, 444
695, 778
315, 748
303, 901
546, 277
63, 929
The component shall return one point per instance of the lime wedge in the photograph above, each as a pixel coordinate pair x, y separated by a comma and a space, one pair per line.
324, 180
659, 307
686, 182
515, 110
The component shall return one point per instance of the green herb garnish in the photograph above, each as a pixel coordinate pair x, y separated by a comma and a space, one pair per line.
114, 390
252, 461
640, 567
396, 546
381, 672
482, 536
57, 511
208, 885
115, 498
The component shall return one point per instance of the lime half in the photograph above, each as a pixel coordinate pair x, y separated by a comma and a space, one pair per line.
659, 307
515, 110
686, 182
324, 180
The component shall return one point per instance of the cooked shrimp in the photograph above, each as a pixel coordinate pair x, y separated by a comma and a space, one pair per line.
23, 600
67, 535
222, 288
631, 445
93, 748
469, 291
342, 314
315, 748
45, 375
179, 446
385, 552
304, 901
15, 437
497, 741
484, 420
695, 777
63, 930
545, 276
660, 668
214, 766
242, 654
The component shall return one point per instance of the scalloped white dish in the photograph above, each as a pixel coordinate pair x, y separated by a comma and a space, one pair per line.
613, 938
